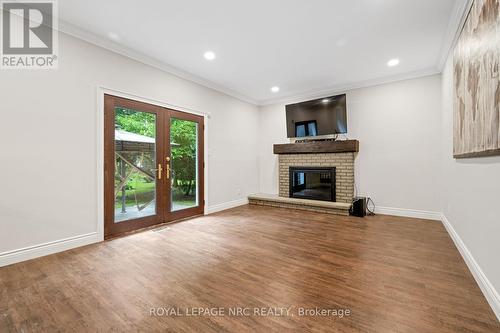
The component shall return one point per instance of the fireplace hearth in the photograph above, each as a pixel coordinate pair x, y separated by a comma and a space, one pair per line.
315, 183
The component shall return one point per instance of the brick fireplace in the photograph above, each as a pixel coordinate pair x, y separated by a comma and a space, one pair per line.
337, 156
344, 174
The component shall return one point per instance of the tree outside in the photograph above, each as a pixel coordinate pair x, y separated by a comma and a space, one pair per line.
183, 138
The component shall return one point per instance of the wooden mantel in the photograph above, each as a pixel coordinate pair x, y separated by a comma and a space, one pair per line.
315, 147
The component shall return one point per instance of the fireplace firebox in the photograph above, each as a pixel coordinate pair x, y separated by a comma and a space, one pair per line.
315, 183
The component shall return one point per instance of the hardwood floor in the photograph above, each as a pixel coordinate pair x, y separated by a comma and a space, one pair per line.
393, 274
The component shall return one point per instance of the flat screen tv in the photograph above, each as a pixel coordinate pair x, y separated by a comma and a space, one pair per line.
322, 116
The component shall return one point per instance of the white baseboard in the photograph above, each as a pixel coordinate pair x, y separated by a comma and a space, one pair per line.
487, 288
226, 205
40, 250
419, 214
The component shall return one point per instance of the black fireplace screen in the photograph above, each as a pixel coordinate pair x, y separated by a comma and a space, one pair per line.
312, 183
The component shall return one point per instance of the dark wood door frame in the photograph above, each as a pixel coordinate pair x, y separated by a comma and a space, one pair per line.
163, 185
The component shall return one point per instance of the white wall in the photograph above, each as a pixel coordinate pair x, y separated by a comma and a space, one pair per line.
398, 126
471, 194
48, 139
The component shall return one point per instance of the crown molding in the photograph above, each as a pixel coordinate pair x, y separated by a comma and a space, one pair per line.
455, 24
457, 21
92, 38
333, 90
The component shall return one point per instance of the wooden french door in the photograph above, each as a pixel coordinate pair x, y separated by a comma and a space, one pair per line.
153, 165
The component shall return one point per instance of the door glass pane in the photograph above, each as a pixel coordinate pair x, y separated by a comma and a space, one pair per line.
184, 163
135, 164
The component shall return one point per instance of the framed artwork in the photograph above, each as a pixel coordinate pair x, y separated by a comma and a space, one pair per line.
476, 65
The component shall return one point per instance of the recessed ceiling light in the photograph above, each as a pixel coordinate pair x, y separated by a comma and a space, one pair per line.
275, 89
209, 55
325, 100
393, 62
113, 36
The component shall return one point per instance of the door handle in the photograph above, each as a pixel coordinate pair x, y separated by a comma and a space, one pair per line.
160, 169
168, 166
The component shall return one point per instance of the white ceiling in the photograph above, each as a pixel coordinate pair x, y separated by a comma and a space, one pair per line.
305, 47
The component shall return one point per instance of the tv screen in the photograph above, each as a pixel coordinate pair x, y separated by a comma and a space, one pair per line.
322, 116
